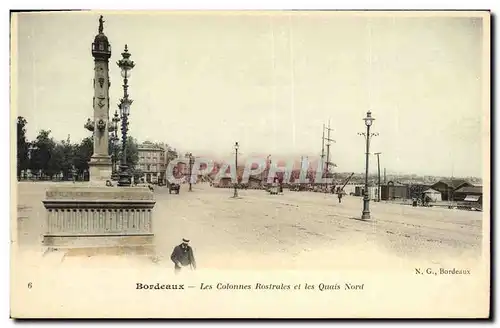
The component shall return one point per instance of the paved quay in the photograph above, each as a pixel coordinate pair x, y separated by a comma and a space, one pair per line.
260, 231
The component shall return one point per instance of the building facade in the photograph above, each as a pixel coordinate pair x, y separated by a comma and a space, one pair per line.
394, 191
462, 193
447, 188
152, 162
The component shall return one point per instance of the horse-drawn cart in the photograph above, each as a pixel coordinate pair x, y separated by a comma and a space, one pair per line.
174, 187
273, 190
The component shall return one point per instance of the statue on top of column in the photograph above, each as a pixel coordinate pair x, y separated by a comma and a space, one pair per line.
101, 24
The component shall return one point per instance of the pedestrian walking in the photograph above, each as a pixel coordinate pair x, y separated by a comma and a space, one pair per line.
340, 196
183, 256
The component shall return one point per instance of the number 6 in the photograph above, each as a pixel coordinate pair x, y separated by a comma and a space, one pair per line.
30, 285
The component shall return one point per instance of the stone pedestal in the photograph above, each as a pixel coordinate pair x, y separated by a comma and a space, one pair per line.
100, 219
100, 168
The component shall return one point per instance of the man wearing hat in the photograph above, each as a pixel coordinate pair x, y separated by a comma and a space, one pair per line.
182, 256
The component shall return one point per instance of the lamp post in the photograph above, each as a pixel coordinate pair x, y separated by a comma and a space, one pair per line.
378, 187
366, 199
114, 143
191, 162
236, 146
126, 66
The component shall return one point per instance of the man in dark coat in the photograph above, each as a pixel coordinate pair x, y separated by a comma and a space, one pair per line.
183, 256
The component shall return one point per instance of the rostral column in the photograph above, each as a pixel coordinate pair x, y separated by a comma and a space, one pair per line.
100, 162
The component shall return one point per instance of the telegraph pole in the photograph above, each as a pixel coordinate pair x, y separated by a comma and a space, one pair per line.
323, 149
328, 151
378, 189
385, 180
323, 146
236, 147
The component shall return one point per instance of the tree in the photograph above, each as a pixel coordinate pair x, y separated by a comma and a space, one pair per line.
171, 154
132, 157
83, 152
132, 153
66, 151
55, 162
137, 173
43, 150
22, 147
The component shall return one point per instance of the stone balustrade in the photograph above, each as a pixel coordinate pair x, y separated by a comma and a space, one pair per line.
95, 216
98, 221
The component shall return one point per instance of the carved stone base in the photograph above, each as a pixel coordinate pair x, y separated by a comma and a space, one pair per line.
100, 220
100, 168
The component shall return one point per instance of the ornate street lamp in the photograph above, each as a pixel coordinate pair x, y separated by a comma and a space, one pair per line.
366, 199
114, 142
236, 147
126, 66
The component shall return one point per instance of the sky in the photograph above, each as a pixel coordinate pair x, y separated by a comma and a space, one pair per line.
270, 80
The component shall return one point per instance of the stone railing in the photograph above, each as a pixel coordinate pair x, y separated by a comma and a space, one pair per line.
78, 221
98, 214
